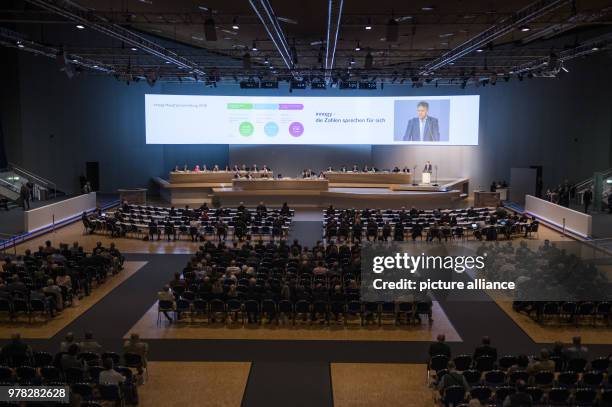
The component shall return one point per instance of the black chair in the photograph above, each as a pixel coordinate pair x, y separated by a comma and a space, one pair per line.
506, 361
453, 395
112, 356
25, 375
302, 309
472, 376
85, 390
43, 359
494, 378
484, 363
320, 309
234, 307
463, 362
518, 375
576, 365
182, 307
606, 398
436, 363
285, 308
600, 364
584, 397
252, 310
591, 379
270, 310
567, 379
502, 392
74, 375
50, 374
216, 307
163, 306
544, 378
199, 308
111, 392
482, 393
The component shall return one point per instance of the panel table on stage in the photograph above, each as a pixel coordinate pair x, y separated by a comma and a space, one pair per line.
315, 184
382, 178
212, 177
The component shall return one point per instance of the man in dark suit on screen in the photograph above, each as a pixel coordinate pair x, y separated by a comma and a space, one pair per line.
423, 127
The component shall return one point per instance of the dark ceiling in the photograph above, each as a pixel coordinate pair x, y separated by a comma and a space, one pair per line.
436, 40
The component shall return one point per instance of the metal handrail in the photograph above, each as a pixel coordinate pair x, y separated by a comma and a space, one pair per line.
11, 242
28, 174
10, 186
579, 185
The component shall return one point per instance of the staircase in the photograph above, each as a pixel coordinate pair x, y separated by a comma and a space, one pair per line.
588, 183
13, 177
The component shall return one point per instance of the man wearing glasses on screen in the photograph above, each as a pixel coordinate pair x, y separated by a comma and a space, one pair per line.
423, 127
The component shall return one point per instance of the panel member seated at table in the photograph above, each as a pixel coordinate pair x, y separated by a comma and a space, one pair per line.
265, 169
244, 168
406, 169
196, 168
355, 168
343, 168
322, 175
396, 169
215, 168
254, 168
235, 168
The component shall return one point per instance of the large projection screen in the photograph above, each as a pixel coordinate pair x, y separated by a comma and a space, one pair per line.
423, 120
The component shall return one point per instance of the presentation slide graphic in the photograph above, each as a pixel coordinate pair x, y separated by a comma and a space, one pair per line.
423, 120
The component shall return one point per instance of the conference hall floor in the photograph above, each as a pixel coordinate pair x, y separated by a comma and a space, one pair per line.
302, 366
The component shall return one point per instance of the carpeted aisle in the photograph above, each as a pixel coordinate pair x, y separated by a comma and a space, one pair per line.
288, 384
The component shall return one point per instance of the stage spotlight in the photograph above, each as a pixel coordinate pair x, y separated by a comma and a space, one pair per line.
525, 28
479, 50
392, 34
358, 47
266, 61
80, 26
565, 69
368, 26
210, 32
254, 46
369, 61
235, 25
20, 45
352, 61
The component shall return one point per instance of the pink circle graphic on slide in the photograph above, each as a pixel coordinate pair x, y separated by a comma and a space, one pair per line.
296, 129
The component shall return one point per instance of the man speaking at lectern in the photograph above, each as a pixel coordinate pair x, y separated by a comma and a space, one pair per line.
423, 127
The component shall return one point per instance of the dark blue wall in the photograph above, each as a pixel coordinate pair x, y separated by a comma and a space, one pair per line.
55, 125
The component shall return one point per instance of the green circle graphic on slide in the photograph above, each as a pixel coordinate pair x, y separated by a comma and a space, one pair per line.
246, 129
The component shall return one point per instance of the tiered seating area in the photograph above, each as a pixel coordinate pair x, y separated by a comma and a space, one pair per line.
478, 223
41, 284
278, 282
196, 224
576, 382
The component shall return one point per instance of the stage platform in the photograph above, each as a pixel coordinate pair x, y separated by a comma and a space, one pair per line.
317, 193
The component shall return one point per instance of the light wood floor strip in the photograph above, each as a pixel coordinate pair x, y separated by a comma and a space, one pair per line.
180, 384
380, 384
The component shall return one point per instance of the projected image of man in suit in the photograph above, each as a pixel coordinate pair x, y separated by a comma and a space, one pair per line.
423, 127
